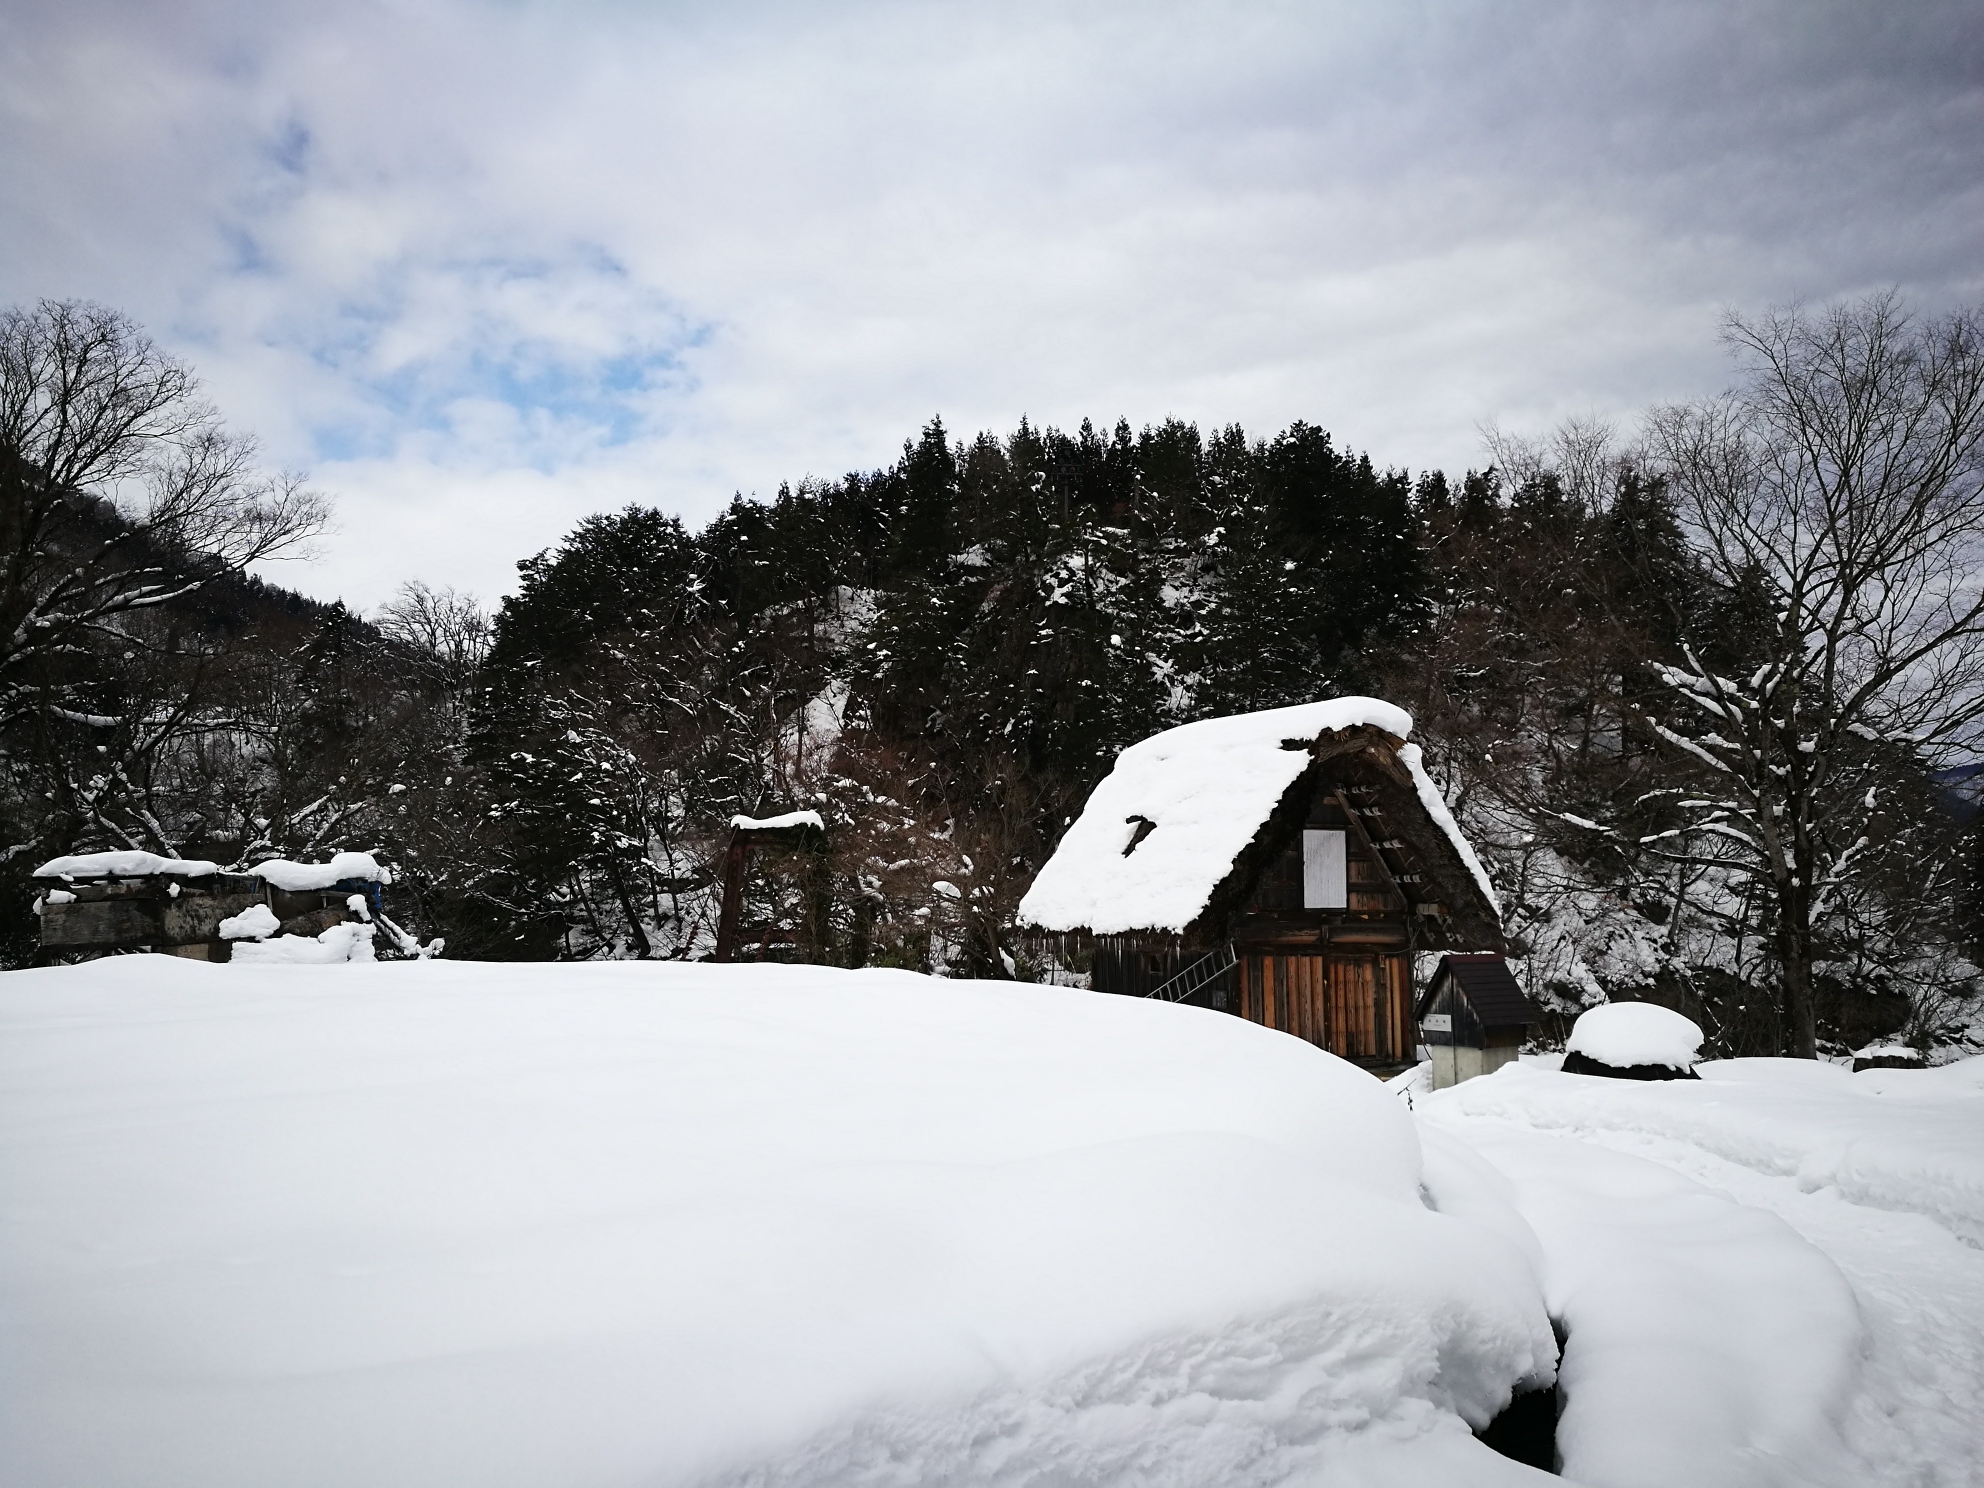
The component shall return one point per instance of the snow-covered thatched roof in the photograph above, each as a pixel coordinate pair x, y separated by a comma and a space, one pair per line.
1167, 825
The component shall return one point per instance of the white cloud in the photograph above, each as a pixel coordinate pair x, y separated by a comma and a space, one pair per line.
484, 268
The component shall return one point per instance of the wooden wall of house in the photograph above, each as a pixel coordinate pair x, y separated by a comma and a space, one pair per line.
1137, 965
1356, 1003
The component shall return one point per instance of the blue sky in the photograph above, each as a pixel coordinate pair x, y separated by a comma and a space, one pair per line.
484, 268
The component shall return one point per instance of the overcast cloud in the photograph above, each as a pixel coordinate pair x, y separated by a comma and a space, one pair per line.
482, 269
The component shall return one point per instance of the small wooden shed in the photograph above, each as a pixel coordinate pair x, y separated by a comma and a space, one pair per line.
1285, 866
793, 832
1473, 1017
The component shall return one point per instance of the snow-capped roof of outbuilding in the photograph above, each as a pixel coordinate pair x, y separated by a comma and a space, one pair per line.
1170, 822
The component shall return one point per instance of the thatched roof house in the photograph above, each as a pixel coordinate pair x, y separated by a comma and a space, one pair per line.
1285, 865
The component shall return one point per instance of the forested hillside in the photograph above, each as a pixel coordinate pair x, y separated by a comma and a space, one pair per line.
943, 656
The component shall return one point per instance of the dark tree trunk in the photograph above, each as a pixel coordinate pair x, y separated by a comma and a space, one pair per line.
1794, 953
634, 931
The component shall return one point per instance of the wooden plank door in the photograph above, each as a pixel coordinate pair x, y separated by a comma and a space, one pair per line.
1370, 998
1285, 992
1256, 990
1353, 1006
1403, 1032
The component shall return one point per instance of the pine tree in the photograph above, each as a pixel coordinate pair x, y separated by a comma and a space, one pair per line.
927, 487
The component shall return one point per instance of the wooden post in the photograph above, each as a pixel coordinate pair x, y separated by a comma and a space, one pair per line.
818, 891
733, 898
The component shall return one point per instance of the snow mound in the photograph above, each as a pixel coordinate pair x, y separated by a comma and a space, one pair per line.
124, 865
1625, 1034
772, 823
256, 922
298, 878
606, 1224
332, 947
1205, 788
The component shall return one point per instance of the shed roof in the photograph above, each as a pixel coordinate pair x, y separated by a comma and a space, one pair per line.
1166, 827
1490, 988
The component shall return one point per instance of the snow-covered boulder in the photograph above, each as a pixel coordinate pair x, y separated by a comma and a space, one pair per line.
1633, 1041
1887, 1056
678, 1224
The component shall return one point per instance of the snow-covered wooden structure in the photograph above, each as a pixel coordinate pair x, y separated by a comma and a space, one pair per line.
800, 832
94, 903
1473, 1017
1284, 865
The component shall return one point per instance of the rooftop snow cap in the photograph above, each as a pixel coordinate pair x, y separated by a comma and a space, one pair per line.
1637, 1040
1162, 831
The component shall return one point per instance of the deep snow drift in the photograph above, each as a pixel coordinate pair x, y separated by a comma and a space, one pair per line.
623, 1224
1908, 1140
635, 1224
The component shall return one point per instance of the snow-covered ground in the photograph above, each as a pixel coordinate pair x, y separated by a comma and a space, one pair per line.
635, 1224
1770, 1276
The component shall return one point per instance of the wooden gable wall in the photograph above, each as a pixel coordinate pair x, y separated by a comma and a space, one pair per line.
1278, 890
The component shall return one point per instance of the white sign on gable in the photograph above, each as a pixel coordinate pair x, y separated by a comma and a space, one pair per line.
1438, 1022
1325, 874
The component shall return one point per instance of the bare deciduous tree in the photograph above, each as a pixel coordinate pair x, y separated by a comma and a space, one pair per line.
1841, 486
119, 491
448, 627
1580, 454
